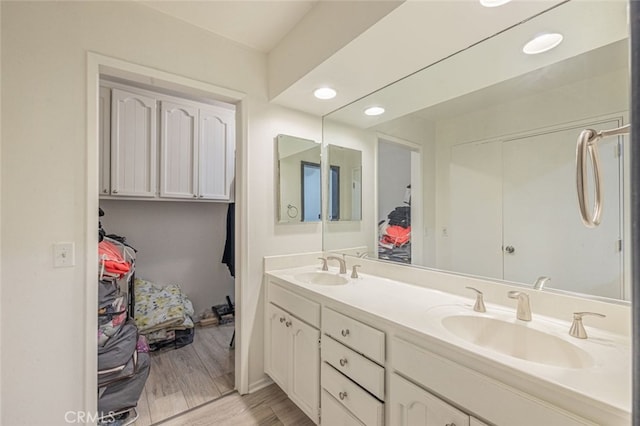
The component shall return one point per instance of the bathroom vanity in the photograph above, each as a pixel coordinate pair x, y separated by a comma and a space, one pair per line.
378, 351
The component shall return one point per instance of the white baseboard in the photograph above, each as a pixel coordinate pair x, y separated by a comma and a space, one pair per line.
262, 383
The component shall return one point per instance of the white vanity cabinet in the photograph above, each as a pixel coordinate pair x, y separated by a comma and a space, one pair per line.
353, 373
133, 144
292, 347
488, 398
411, 405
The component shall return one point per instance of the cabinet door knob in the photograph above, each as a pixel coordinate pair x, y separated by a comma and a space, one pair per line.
195, 196
343, 395
201, 196
343, 362
450, 424
288, 323
115, 191
282, 319
345, 332
105, 191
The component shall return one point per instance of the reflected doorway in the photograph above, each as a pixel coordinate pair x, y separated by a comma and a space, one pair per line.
399, 201
311, 188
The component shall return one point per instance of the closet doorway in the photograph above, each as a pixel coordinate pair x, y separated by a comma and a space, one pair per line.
399, 201
180, 243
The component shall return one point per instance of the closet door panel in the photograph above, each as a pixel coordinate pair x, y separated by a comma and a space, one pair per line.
217, 153
104, 140
133, 144
179, 150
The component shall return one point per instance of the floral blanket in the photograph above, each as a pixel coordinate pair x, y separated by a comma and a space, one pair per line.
161, 308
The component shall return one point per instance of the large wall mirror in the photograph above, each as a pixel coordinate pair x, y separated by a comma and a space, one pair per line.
473, 162
299, 179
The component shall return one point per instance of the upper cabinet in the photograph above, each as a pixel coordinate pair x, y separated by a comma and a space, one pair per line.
133, 144
155, 146
178, 150
216, 153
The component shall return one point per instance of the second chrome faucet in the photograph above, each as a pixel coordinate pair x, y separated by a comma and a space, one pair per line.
523, 311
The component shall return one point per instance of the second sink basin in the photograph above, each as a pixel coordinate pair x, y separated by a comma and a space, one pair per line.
321, 278
518, 341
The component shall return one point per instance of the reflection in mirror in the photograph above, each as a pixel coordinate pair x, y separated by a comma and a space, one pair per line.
299, 183
345, 184
497, 142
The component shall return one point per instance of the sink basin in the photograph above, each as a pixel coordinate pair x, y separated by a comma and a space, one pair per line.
321, 278
518, 341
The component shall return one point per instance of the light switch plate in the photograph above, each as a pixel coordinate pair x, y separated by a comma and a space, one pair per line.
63, 255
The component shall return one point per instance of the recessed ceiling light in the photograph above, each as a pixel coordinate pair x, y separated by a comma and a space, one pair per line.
493, 3
376, 110
542, 43
325, 93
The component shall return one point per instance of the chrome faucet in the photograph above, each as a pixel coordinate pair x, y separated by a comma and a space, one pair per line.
523, 312
324, 263
540, 283
479, 305
343, 263
577, 328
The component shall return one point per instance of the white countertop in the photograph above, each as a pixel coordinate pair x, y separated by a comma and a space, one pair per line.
606, 384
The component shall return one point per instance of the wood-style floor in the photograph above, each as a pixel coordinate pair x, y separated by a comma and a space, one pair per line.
185, 378
266, 407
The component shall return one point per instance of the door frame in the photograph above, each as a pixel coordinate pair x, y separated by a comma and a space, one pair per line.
100, 64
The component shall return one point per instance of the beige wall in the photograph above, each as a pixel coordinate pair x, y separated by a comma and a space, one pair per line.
44, 169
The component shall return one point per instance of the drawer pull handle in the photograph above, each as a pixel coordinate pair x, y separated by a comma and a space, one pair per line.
345, 333
288, 323
343, 362
343, 395
281, 319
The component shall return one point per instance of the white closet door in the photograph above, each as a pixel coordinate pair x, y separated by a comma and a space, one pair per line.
133, 144
475, 228
179, 150
542, 222
104, 140
217, 158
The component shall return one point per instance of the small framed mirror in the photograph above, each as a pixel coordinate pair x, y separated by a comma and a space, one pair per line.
299, 180
344, 193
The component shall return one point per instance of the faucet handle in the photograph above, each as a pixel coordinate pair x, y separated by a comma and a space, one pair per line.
577, 328
325, 267
354, 271
479, 305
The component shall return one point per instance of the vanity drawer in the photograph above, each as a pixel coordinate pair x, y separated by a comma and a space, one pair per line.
334, 414
355, 334
366, 373
303, 308
365, 407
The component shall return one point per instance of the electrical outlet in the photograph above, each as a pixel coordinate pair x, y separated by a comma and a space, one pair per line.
63, 255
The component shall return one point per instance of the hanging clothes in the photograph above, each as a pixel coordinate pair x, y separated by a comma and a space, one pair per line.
228, 256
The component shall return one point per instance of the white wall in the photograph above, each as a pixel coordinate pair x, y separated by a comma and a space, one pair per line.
44, 169
266, 236
178, 243
347, 234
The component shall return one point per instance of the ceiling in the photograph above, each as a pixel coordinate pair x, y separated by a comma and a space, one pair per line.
258, 24
356, 46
